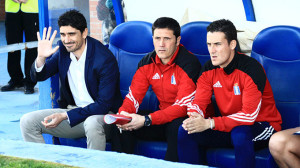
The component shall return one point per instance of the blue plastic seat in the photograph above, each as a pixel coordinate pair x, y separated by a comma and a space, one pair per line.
193, 37
130, 42
278, 50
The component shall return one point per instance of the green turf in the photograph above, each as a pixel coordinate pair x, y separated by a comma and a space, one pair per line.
13, 162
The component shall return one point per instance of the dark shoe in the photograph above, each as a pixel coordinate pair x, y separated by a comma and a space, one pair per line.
11, 86
29, 90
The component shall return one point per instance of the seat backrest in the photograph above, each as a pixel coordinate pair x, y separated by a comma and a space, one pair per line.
277, 48
130, 42
193, 37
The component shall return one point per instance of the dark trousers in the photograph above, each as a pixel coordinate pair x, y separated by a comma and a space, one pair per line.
244, 139
126, 141
16, 24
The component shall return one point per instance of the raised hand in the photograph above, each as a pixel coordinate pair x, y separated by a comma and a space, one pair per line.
45, 45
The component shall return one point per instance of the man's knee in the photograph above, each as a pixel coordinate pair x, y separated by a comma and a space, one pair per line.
26, 121
182, 134
277, 142
241, 135
94, 126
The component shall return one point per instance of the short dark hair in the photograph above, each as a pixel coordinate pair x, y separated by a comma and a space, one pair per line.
166, 22
74, 19
225, 26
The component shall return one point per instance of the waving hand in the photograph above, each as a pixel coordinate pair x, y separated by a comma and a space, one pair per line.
45, 46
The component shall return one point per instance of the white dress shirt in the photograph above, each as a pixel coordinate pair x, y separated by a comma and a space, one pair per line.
76, 79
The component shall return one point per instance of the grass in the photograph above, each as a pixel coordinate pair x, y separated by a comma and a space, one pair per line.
14, 162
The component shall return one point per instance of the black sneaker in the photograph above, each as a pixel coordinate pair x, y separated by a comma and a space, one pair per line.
11, 86
29, 90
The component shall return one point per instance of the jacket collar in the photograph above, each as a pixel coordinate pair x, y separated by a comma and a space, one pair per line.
88, 61
232, 65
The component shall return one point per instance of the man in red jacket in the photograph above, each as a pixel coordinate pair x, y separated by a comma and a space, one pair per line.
244, 96
172, 71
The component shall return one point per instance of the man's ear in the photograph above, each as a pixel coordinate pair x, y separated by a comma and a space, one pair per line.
85, 33
178, 40
233, 44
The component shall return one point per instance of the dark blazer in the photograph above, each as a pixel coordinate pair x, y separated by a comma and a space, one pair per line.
101, 78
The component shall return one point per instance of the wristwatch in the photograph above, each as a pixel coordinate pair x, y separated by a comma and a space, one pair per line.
148, 121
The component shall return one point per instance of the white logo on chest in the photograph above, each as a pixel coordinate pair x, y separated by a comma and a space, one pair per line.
217, 84
156, 76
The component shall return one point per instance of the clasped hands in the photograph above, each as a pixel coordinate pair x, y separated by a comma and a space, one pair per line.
136, 122
195, 123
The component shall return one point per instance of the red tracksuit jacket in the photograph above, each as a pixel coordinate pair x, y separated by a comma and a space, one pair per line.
174, 85
242, 92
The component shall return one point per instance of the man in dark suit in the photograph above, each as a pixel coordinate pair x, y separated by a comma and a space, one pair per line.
89, 79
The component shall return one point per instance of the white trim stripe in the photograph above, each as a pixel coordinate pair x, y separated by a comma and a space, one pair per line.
185, 100
246, 117
195, 107
265, 134
268, 134
135, 102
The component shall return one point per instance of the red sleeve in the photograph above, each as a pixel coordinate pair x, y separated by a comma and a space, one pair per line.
186, 92
203, 96
137, 91
251, 103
